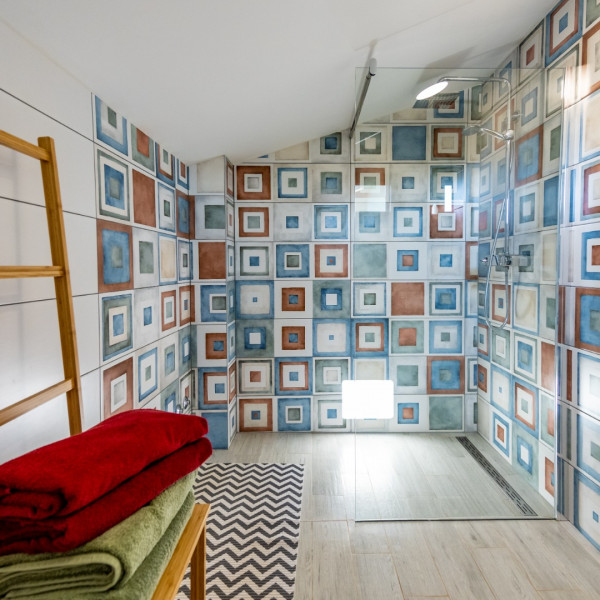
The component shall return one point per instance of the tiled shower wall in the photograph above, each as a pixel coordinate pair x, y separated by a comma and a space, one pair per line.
516, 363
355, 260
579, 292
560, 53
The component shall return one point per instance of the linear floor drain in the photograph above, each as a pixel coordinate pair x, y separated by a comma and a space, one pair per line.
493, 473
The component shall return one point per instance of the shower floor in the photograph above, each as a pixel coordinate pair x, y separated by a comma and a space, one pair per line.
432, 476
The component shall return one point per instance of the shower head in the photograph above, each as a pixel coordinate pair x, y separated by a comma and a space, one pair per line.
509, 134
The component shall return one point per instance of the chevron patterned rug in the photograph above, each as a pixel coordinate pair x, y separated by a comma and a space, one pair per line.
252, 531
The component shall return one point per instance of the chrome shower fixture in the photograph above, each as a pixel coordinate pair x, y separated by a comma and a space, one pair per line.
500, 260
509, 134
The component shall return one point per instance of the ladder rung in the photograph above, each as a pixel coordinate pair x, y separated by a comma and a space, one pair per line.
15, 143
17, 272
20, 408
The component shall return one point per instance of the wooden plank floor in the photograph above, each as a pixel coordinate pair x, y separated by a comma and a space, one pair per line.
340, 559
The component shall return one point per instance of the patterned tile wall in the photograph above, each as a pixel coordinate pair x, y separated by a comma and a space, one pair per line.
516, 371
145, 220
214, 288
572, 39
518, 366
351, 262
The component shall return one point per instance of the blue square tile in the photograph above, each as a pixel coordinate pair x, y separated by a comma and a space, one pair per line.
213, 303
331, 142
183, 215
255, 338
292, 260
550, 202
525, 454
527, 208
408, 221
528, 159
407, 260
561, 36
409, 142
218, 432
369, 222
291, 222
589, 326
110, 127
293, 414
445, 299
147, 315
114, 188
445, 375
116, 261
447, 175
331, 222
118, 325
331, 182
331, 298
408, 413
445, 260
292, 182
529, 100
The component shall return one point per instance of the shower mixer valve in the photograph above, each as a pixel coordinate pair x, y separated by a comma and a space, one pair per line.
503, 261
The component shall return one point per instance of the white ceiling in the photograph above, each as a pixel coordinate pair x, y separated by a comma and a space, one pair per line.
247, 77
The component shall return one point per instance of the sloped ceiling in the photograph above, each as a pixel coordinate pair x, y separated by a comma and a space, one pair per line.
247, 77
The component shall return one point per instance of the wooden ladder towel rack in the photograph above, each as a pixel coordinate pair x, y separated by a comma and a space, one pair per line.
71, 384
192, 543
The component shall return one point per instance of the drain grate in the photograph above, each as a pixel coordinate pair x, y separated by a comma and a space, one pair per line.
493, 473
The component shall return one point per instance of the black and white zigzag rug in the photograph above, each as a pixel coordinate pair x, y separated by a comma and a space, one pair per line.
252, 531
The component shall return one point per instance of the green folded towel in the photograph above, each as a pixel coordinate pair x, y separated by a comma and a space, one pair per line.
107, 562
144, 581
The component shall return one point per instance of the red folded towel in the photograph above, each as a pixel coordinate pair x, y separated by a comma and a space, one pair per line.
62, 495
60, 478
60, 534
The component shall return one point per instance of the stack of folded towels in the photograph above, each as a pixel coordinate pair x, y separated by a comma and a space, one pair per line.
98, 515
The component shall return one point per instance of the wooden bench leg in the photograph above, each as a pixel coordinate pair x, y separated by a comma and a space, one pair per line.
198, 569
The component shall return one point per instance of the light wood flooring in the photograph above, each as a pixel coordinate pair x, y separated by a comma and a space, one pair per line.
431, 475
340, 559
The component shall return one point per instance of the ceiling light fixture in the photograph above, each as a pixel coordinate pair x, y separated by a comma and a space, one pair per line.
432, 90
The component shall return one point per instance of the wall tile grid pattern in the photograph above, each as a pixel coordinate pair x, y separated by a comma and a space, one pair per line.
575, 45
339, 260
214, 328
516, 375
145, 220
349, 265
